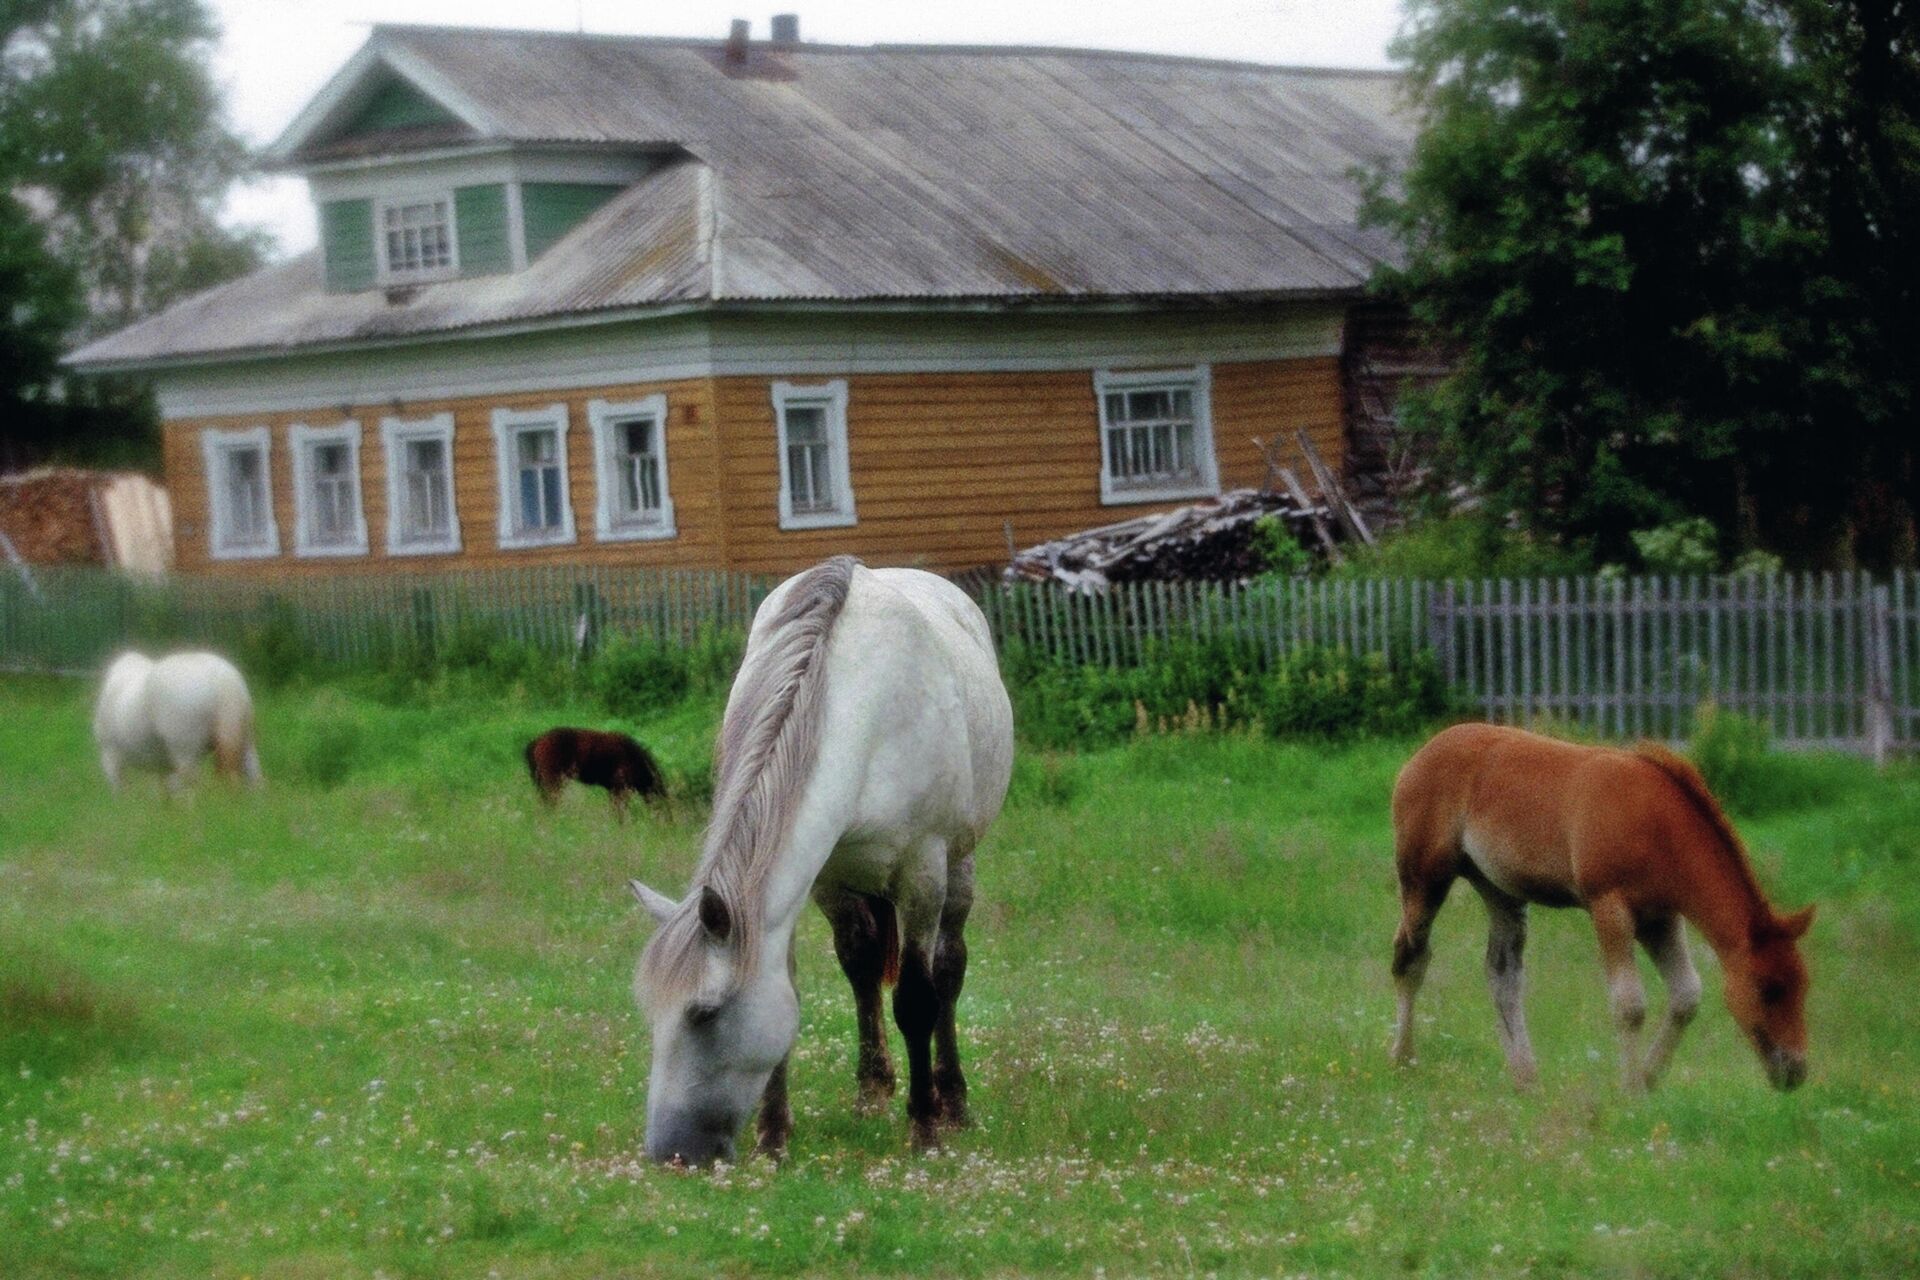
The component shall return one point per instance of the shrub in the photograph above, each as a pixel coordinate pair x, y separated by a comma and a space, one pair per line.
636, 674
1460, 546
330, 752
1684, 546
1730, 750
272, 650
1194, 686
1279, 551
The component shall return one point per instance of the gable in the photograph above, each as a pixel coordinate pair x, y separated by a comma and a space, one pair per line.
395, 115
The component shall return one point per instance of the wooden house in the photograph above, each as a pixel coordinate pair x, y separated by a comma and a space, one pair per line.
745, 304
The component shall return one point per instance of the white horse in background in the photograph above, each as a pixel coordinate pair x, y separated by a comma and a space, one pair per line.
166, 715
866, 747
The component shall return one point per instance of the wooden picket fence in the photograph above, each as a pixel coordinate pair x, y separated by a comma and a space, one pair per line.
1828, 660
72, 619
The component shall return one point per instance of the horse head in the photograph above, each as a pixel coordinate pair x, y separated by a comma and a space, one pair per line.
720, 1027
1767, 996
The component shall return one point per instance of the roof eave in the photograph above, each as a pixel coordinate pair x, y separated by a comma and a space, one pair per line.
1033, 304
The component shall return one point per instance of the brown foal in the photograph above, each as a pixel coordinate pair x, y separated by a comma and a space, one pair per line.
1633, 836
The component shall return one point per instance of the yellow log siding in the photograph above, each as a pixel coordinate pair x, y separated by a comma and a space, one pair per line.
940, 463
692, 477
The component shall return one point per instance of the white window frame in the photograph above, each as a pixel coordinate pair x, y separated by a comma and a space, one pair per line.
508, 426
301, 441
395, 435
605, 417
215, 445
833, 397
388, 274
1198, 381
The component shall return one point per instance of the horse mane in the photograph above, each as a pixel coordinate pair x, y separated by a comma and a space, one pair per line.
768, 744
1681, 772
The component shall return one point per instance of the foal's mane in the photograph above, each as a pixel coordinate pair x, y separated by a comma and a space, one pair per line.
768, 744
1683, 775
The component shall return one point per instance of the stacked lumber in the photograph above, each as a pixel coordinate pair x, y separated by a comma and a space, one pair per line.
1211, 541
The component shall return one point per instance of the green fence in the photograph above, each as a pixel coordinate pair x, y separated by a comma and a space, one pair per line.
73, 619
1828, 659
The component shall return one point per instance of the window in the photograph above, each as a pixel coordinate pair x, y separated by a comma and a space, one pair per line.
326, 490
630, 469
1156, 435
416, 239
239, 494
421, 516
531, 455
816, 491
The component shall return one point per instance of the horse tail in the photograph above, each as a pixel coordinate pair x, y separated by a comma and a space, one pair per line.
1681, 772
886, 920
233, 739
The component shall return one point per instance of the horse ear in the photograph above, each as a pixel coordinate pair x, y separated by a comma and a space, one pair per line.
658, 905
714, 916
1796, 925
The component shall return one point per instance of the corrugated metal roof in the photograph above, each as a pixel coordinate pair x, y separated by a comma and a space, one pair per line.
834, 174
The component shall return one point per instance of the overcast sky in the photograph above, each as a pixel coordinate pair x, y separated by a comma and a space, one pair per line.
277, 53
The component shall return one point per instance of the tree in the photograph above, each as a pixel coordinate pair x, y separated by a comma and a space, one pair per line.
113, 159
1642, 227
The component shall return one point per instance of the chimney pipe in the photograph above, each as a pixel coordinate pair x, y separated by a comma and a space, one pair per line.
737, 41
786, 28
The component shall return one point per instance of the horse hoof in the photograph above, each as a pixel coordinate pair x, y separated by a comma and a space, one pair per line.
925, 1137
955, 1116
874, 1098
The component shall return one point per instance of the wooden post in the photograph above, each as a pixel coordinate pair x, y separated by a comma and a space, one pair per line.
1879, 689
1440, 629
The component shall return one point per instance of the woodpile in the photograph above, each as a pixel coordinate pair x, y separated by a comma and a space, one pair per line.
65, 515
1210, 541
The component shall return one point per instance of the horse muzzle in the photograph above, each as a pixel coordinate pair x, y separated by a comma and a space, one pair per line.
1787, 1071
693, 1141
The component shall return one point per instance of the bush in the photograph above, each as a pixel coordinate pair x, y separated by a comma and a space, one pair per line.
638, 674
1195, 686
272, 651
1279, 551
1684, 546
1734, 753
1463, 546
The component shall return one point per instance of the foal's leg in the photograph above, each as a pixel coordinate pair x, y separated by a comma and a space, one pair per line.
1506, 940
110, 765
949, 975
619, 797
1613, 923
1420, 901
861, 940
1666, 942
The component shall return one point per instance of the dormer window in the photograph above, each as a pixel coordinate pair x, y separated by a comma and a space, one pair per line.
417, 239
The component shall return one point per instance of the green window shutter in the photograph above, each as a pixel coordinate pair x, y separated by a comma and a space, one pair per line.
480, 220
346, 244
554, 208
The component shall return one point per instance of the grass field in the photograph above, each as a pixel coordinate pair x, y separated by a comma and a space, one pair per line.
376, 1020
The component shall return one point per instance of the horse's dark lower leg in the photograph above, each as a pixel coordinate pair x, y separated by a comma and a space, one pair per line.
775, 1125
1506, 944
619, 797
861, 939
916, 1010
949, 976
1420, 901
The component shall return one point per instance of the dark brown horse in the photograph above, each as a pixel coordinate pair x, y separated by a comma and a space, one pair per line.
610, 760
1636, 839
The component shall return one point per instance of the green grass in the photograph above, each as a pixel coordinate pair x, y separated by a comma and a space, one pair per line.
376, 1019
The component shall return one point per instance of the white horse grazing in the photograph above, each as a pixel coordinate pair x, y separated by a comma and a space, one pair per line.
866, 747
166, 715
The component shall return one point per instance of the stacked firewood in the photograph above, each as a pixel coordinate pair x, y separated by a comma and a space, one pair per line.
1210, 541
